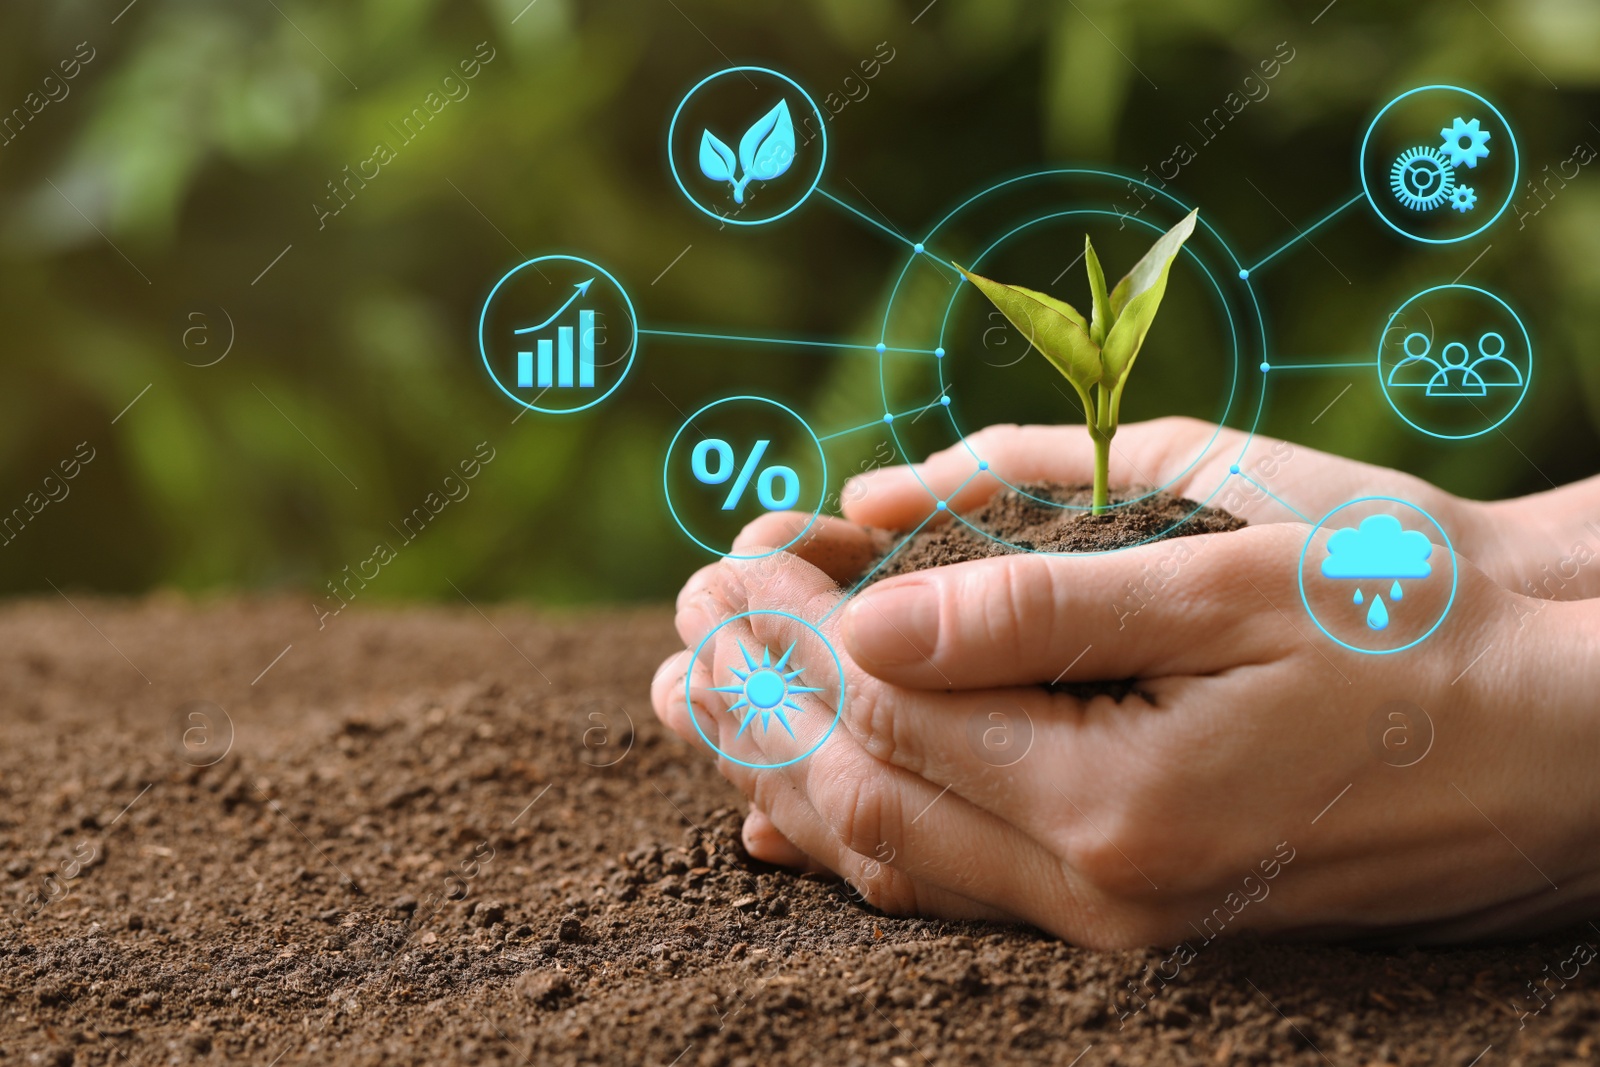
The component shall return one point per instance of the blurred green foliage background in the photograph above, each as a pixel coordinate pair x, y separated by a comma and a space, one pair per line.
189, 151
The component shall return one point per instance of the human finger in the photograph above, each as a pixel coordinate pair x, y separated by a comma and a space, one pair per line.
1031, 618
840, 549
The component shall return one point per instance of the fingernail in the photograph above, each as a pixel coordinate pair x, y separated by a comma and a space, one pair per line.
896, 626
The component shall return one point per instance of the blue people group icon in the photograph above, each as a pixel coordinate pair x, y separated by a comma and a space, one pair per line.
748, 145
1458, 372
1426, 177
1379, 548
1455, 361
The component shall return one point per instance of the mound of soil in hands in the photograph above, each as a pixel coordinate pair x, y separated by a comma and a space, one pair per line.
422, 837
1029, 524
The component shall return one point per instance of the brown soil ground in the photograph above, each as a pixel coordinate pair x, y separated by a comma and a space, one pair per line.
410, 853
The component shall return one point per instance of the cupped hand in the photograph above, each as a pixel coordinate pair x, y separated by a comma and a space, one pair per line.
1236, 787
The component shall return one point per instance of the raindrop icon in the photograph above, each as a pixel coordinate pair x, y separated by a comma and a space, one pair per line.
1395, 592
1377, 615
1359, 598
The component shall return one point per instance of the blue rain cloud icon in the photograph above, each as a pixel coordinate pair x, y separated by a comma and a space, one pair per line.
1379, 548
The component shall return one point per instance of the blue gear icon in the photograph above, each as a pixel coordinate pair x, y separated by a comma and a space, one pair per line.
1463, 198
1464, 143
1422, 178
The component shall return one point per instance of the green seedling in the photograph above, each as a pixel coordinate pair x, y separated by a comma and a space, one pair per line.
1096, 354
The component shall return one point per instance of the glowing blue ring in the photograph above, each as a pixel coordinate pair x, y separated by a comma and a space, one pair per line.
1383, 378
1455, 575
688, 689
633, 347
822, 134
1511, 188
1062, 172
666, 476
1233, 387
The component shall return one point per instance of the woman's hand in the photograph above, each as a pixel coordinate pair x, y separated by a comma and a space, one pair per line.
1239, 786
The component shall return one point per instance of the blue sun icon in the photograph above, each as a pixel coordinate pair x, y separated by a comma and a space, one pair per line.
766, 688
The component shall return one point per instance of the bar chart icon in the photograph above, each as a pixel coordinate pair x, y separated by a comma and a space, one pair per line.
558, 334
565, 361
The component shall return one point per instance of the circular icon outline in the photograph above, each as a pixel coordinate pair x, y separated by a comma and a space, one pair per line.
633, 345
822, 135
688, 688
1455, 575
1383, 372
666, 477
1511, 186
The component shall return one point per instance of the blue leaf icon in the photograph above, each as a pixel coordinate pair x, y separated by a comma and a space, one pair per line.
716, 158
776, 148
765, 151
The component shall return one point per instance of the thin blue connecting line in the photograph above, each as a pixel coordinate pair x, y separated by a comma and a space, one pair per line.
794, 342
1321, 366
1307, 232
916, 246
903, 542
1274, 496
880, 421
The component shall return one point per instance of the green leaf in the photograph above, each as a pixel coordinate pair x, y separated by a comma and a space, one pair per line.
1103, 316
1135, 300
1053, 326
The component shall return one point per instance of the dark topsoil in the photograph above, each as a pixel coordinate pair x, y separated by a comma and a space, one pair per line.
1025, 523
409, 855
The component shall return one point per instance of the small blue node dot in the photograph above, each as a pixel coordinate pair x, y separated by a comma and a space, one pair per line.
917, 248
945, 401
983, 465
882, 348
1233, 469
1265, 366
938, 353
1244, 275
888, 416
941, 505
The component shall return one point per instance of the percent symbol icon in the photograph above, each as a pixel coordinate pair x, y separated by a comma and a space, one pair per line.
767, 480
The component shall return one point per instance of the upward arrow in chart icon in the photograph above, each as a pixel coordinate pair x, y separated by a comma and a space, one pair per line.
582, 288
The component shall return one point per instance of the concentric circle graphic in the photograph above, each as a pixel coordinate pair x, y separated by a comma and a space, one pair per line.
1246, 330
